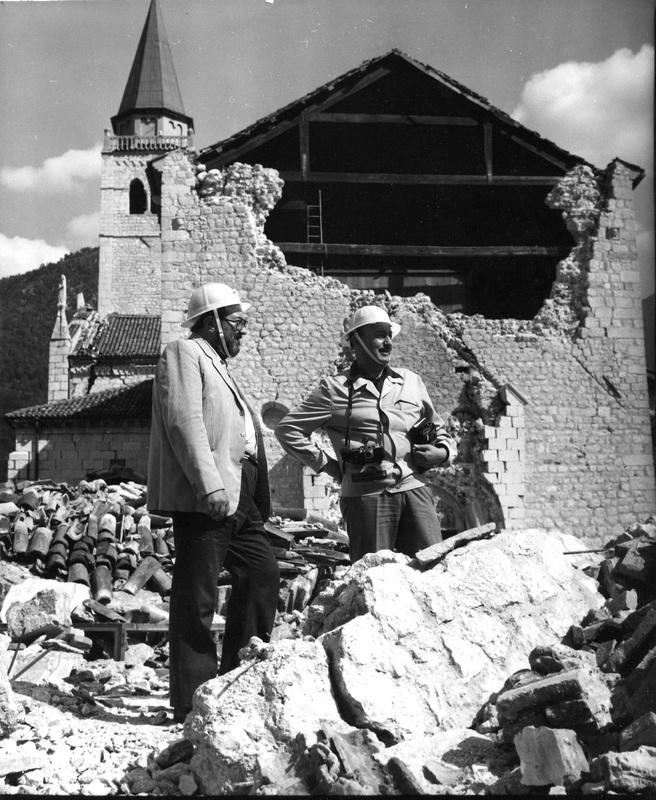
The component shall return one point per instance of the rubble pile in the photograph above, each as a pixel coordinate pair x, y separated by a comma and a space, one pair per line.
103, 537
496, 663
583, 715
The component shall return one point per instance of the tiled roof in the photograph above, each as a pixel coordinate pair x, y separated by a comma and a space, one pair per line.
344, 82
126, 403
126, 336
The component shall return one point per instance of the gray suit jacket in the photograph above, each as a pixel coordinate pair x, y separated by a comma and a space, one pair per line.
197, 432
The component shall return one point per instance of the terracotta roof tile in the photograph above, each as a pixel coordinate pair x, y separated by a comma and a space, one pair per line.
132, 402
128, 336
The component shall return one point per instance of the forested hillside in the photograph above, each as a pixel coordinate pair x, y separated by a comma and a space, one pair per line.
28, 309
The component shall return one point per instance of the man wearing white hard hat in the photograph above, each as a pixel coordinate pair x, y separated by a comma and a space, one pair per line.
386, 435
207, 470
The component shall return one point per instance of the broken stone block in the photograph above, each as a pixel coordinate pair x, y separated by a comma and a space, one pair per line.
632, 620
549, 756
577, 684
23, 757
603, 652
261, 708
402, 634
632, 650
40, 603
644, 697
624, 600
441, 773
444, 756
640, 732
626, 772
639, 563
640, 671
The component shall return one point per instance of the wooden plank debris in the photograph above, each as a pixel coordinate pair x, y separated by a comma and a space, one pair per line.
436, 552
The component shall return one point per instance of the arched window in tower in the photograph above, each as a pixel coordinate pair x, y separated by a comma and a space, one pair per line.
138, 198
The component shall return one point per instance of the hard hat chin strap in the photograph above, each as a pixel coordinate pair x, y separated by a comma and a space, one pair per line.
219, 328
367, 350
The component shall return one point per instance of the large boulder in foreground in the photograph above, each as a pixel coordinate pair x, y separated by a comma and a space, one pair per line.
423, 650
412, 653
250, 724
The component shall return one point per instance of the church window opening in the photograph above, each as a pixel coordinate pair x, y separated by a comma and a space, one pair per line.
138, 198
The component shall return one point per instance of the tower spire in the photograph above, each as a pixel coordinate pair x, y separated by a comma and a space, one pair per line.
152, 103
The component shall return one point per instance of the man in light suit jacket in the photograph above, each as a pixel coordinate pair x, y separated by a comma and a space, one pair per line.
207, 470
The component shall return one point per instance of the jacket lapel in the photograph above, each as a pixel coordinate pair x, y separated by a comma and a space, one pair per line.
220, 367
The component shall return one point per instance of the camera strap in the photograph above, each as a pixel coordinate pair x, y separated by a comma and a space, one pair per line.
349, 412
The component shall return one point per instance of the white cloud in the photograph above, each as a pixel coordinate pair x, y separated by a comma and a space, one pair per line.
598, 111
62, 173
83, 230
18, 255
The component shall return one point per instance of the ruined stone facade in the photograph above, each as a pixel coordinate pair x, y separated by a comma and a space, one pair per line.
551, 414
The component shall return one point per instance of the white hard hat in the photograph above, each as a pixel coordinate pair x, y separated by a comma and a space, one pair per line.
211, 296
370, 315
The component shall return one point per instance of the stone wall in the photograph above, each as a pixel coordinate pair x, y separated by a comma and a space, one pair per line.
550, 414
68, 454
130, 253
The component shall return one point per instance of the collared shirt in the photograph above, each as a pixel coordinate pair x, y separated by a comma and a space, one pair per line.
250, 438
384, 415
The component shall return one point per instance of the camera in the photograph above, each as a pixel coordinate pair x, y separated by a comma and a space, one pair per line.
370, 472
423, 432
368, 453
370, 456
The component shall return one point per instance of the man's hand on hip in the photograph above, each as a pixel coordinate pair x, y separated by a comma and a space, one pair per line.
216, 504
427, 456
332, 468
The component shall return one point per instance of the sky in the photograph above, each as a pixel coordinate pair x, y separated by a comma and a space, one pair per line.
579, 72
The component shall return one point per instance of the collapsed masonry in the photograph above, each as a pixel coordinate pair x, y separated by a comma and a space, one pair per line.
550, 414
510, 661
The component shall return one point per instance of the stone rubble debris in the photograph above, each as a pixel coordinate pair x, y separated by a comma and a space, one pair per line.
513, 663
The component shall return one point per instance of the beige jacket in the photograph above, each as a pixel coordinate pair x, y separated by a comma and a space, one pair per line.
402, 402
197, 432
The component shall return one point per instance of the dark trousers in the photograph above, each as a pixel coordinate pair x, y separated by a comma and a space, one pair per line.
402, 521
203, 547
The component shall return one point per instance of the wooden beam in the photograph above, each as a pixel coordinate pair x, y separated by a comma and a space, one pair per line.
304, 140
230, 154
536, 150
397, 119
487, 150
400, 178
423, 250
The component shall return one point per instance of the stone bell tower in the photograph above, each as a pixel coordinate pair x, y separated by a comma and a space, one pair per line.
151, 122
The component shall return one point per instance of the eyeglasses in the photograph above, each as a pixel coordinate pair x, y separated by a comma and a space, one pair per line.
238, 325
